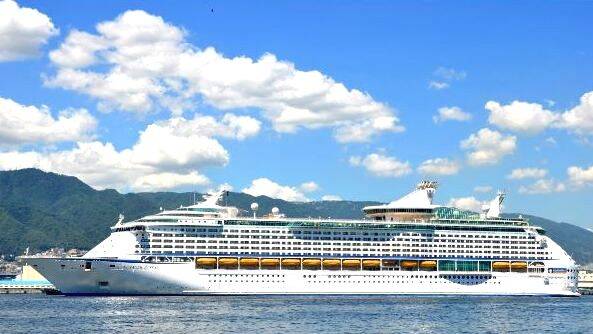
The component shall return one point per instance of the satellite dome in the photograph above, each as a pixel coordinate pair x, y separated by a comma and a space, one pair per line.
254, 206
275, 210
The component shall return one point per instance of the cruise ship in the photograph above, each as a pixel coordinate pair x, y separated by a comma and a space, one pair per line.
408, 246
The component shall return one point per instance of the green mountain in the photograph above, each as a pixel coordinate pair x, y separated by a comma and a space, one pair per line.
42, 210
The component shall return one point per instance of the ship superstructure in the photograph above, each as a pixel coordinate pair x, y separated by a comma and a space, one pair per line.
408, 246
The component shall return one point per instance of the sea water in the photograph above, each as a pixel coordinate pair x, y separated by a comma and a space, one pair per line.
295, 314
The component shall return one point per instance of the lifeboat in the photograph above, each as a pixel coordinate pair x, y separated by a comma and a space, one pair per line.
249, 263
351, 264
291, 263
331, 264
311, 263
371, 263
205, 262
500, 266
228, 262
390, 263
430, 265
269, 262
407, 264
519, 266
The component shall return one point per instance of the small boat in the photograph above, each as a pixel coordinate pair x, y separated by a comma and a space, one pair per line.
312, 264
206, 262
249, 262
407, 264
269, 262
291, 263
371, 263
500, 266
428, 264
331, 264
351, 264
228, 262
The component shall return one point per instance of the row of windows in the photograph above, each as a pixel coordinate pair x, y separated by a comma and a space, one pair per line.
341, 233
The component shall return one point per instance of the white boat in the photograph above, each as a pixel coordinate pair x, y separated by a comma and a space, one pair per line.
408, 246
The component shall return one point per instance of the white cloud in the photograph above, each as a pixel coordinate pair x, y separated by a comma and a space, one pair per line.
439, 166
438, 85
450, 73
139, 63
331, 198
534, 118
162, 181
551, 141
22, 31
445, 77
466, 203
522, 117
580, 176
580, 118
309, 187
451, 114
482, 189
20, 124
527, 173
167, 155
266, 187
229, 126
488, 147
382, 165
543, 186
355, 161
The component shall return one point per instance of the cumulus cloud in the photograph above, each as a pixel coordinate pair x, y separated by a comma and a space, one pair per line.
168, 154
482, 189
488, 147
466, 203
331, 198
522, 117
580, 118
451, 114
527, 173
580, 176
163, 181
533, 118
21, 124
266, 187
439, 166
309, 187
22, 31
543, 186
140, 63
382, 165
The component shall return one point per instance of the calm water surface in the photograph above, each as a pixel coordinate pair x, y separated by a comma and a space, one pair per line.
294, 314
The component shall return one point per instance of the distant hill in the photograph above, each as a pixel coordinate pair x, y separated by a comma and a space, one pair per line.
42, 210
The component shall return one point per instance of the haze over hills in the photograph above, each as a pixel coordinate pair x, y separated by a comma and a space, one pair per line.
42, 210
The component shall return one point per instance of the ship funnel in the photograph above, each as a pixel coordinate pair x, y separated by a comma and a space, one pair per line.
495, 206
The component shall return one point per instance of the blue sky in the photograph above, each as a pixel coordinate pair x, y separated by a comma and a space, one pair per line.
406, 60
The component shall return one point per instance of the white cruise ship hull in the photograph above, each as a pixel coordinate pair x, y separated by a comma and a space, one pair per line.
117, 277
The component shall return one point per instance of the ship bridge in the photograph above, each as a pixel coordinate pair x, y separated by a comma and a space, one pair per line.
415, 205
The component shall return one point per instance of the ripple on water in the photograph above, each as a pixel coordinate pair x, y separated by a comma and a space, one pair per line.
295, 314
